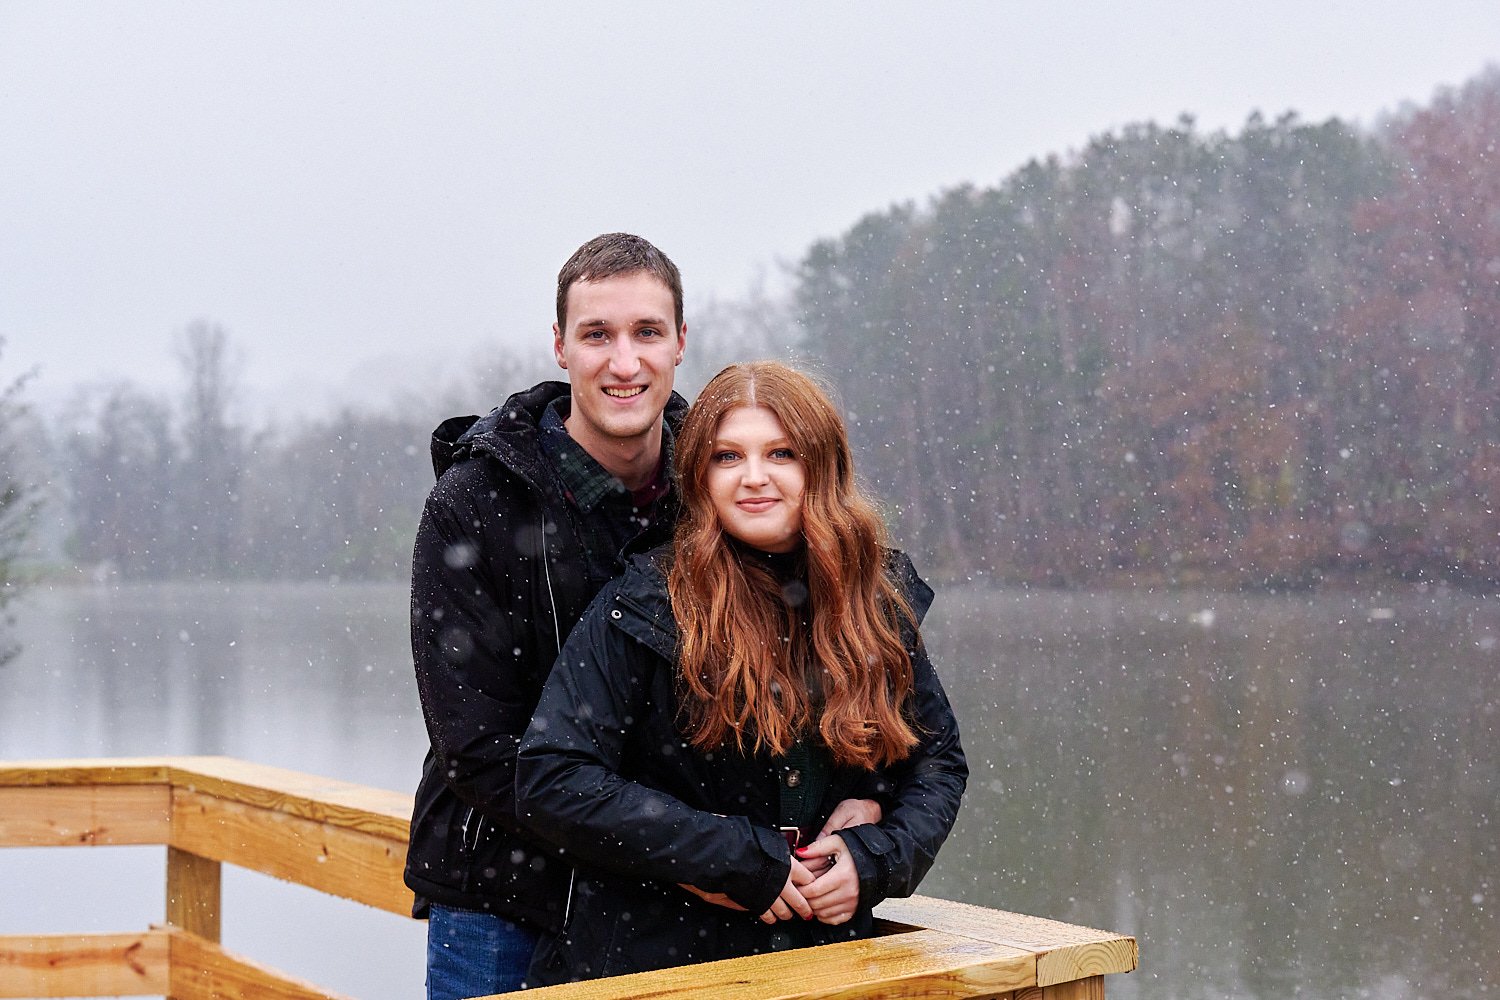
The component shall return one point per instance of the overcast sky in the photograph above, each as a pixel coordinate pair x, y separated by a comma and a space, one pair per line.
368, 194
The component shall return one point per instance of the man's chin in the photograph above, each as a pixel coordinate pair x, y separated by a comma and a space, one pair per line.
625, 429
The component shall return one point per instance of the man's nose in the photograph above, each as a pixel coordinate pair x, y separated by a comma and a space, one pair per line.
624, 361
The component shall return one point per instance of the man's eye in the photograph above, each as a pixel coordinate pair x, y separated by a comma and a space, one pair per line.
650, 332
594, 335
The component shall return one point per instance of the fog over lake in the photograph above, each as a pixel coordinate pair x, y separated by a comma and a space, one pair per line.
1276, 794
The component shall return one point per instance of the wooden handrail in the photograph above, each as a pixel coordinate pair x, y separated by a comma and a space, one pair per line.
350, 840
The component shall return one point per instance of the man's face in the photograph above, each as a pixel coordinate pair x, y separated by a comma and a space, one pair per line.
621, 351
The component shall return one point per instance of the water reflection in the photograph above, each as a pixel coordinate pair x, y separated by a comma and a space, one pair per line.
1276, 795
311, 677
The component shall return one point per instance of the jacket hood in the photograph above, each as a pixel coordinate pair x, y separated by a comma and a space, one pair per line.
509, 432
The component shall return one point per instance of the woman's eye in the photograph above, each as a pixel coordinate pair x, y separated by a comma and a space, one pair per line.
724, 457
784, 454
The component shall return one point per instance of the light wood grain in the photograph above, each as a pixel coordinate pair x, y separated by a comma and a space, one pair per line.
921, 964
85, 771
193, 893
325, 800
84, 965
201, 970
1091, 988
1080, 962
83, 815
333, 859
328, 800
1065, 952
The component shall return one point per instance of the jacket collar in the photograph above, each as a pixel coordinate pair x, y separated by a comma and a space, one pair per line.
510, 433
644, 612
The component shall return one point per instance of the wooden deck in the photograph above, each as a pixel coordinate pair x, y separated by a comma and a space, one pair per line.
350, 841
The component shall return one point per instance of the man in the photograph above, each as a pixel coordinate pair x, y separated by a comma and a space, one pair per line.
534, 506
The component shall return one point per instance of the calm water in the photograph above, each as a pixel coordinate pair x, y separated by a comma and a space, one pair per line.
1276, 795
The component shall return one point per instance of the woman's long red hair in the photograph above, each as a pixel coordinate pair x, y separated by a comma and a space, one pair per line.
742, 679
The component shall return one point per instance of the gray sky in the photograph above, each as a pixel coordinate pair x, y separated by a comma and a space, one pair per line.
367, 195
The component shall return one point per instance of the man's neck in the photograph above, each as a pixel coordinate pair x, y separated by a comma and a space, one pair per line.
633, 461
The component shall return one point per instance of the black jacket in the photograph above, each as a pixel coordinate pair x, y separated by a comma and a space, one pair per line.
497, 583
606, 771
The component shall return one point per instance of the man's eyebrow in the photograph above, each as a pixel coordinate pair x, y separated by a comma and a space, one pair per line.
643, 321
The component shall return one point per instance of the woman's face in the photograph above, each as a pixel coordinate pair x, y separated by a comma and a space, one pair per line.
755, 480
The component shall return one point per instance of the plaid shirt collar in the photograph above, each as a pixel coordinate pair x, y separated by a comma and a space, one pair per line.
586, 482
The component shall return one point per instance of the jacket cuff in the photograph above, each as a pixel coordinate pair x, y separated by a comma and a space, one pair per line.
776, 866
868, 846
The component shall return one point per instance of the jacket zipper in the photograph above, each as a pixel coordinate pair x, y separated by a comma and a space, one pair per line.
547, 573
556, 638
463, 833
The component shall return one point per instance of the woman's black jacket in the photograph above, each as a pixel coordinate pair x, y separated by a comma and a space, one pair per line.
605, 774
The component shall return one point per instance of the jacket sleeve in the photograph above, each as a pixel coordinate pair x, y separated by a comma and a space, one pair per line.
926, 788
468, 645
571, 792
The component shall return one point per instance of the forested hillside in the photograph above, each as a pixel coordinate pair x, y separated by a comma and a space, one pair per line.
1262, 358
1256, 358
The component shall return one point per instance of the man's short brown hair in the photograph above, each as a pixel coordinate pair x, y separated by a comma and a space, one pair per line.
613, 254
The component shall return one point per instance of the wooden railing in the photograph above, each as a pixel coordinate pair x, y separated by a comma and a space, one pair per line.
350, 841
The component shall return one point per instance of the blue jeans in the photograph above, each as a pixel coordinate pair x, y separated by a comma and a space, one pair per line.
473, 954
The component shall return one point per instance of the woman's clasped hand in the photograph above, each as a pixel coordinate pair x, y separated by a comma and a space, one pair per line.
831, 895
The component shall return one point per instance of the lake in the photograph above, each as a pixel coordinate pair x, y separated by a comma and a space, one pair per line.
1277, 795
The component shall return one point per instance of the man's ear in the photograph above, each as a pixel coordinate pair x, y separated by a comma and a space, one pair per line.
557, 347
681, 343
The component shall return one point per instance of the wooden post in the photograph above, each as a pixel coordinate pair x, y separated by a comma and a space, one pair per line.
1091, 988
193, 893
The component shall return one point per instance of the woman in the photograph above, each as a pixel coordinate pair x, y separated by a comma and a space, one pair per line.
718, 699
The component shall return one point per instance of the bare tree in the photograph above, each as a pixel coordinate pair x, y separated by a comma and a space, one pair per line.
214, 452
18, 502
123, 468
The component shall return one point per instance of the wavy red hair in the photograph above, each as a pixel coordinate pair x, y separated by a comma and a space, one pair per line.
746, 658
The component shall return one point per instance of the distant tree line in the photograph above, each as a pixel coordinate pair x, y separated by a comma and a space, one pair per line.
1177, 356
157, 486
162, 488
1259, 359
